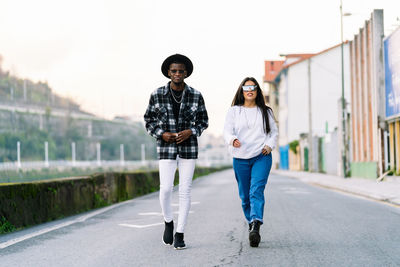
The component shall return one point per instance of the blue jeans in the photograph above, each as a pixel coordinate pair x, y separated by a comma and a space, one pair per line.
252, 176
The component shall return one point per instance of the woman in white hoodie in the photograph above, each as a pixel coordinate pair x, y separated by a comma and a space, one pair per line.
251, 131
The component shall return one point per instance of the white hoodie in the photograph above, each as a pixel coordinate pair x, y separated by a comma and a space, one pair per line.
246, 125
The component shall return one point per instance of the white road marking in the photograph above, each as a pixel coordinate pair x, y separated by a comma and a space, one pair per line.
58, 226
177, 212
158, 213
139, 226
150, 213
22, 238
79, 219
294, 190
177, 204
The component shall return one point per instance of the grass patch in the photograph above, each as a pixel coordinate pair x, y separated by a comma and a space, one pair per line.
5, 226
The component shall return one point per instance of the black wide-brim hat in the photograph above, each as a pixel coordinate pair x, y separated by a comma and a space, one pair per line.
177, 58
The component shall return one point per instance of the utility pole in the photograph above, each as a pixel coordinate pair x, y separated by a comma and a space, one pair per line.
310, 134
344, 160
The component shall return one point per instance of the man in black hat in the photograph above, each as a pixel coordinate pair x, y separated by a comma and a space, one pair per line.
176, 116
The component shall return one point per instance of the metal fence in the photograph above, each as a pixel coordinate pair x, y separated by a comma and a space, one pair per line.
64, 164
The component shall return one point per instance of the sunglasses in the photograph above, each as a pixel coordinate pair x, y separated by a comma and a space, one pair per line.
175, 71
249, 88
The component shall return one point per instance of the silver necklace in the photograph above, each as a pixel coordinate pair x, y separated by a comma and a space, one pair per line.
173, 96
247, 120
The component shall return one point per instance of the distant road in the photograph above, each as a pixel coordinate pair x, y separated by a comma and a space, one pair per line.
304, 226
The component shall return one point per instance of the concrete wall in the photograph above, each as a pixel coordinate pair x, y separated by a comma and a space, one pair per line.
331, 153
364, 169
295, 160
297, 101
327, 87
324, 156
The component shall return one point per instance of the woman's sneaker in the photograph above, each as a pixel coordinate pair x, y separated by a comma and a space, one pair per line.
168, 237
178, 241
254, 235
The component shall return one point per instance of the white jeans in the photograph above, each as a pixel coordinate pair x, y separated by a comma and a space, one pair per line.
167, 175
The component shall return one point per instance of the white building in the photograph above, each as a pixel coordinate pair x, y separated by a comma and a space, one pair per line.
310, 86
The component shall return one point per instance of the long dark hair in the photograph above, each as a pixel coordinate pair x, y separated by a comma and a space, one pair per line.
238, 100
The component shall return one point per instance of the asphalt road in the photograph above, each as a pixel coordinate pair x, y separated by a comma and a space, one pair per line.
304, 226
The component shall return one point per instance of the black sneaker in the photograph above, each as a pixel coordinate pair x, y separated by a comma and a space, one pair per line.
254, 235
178, 241
168, 237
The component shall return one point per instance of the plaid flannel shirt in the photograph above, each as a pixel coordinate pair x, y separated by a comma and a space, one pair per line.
159, 118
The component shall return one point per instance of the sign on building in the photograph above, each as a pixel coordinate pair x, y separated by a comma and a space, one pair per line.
392, 74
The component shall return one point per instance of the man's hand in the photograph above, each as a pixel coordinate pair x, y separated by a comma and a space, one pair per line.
236, 143
266, 150
169, 137
182, 136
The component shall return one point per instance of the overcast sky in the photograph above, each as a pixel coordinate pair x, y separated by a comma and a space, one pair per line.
107, 55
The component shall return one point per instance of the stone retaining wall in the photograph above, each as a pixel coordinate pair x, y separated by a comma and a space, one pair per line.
27, 204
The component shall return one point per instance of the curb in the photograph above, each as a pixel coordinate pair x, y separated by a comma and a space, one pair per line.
353, 192
387, 200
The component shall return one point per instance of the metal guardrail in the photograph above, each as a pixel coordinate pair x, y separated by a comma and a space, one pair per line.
60, 164
34, 165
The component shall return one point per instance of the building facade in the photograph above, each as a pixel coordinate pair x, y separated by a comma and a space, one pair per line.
309, 87
367, 99
270, 91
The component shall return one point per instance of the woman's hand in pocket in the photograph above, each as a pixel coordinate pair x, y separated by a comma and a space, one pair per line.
236, 143
266, 150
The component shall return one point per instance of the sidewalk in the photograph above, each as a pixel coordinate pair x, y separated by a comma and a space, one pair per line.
387, 190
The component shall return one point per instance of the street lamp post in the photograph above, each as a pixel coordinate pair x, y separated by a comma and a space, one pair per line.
344, 147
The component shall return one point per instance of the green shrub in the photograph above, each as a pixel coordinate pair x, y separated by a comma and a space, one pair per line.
293, 146
5, 226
